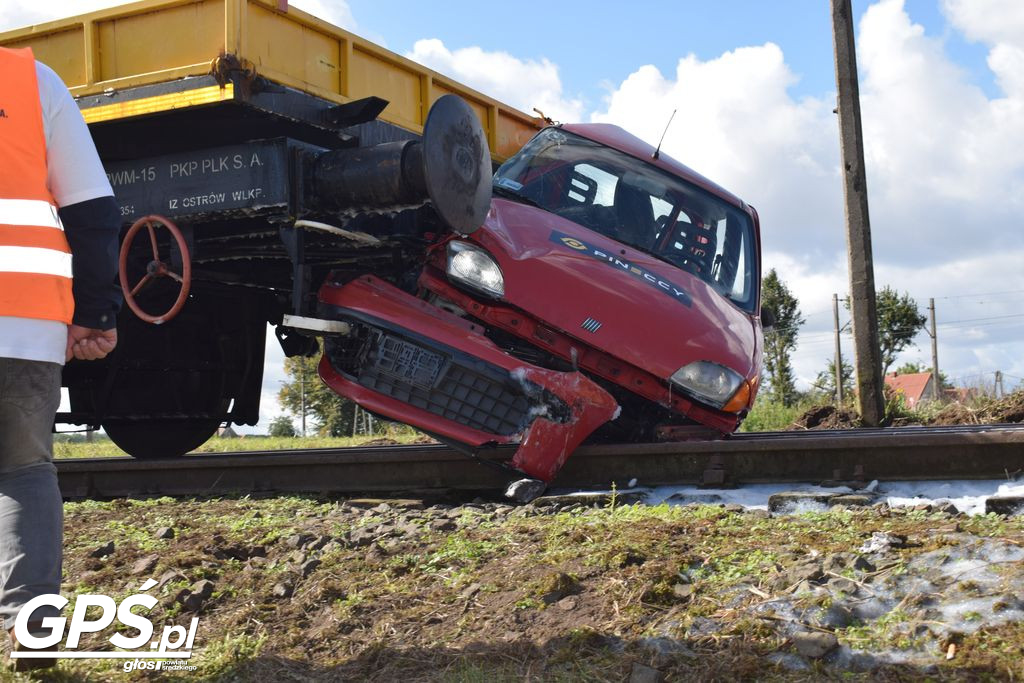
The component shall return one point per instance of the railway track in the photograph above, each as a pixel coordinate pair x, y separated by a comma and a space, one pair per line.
908, 453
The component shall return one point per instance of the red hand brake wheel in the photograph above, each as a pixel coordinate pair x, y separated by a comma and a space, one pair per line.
155, 268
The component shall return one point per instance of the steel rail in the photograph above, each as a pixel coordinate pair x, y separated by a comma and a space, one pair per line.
848, 455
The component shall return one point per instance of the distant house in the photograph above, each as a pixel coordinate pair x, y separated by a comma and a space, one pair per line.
914, 387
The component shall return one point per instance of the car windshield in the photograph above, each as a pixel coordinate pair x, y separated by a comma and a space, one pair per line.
637, 204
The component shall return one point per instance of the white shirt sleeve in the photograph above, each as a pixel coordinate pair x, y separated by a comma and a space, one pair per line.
75, 172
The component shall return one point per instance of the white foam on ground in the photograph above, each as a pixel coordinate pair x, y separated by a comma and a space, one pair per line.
968, 496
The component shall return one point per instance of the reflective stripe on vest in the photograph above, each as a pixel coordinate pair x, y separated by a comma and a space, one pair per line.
35, 260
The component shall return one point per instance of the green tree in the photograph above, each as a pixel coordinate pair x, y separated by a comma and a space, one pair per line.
899, 321
304, 390
826, 380
282, 426
912, 368
780, 339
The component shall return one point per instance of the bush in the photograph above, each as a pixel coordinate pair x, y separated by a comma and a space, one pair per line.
282, 426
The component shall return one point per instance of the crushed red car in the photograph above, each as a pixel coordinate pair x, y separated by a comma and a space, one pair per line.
610, 291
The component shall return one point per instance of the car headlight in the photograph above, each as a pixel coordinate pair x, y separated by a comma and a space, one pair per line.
708, 382
474, 267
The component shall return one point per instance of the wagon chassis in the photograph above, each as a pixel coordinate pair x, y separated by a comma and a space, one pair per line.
235, 176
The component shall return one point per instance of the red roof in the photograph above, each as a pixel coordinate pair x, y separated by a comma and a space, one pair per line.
911, 385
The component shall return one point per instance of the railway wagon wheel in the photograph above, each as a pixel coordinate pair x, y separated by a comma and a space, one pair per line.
157, 438
168, 394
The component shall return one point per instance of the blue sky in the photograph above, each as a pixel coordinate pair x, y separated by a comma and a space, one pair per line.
942, 87
646, 32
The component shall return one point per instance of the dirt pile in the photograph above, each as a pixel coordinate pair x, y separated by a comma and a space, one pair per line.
826, 417
1006, 410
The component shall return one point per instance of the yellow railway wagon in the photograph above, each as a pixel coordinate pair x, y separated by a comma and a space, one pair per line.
115, 51
256, 153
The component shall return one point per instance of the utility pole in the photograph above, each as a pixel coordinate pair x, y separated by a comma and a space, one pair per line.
999, 384
839, 352
935, 350
302, 395
866, 352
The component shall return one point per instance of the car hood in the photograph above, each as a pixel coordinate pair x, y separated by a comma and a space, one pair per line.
640, 309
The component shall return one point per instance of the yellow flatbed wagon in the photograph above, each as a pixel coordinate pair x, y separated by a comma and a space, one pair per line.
277, 150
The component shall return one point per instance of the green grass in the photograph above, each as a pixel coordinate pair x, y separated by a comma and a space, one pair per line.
767, 416
102, 447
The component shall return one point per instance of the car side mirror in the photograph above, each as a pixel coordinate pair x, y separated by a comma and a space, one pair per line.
767, 318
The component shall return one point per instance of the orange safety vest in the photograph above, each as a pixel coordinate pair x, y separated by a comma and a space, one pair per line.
35, 260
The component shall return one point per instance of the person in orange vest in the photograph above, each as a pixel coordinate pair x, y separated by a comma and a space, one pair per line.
59, 227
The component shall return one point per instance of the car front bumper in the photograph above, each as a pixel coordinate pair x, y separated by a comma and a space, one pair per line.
410, 361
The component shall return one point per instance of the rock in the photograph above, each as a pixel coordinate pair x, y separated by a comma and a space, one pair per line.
557, 586
814, 644
836, 562
407, 529
862, 564
257, 562
759, 514
641, 673
103, 550
882, 541
567, 604
362, 536
282, 590
203, 588
947, 507
298, 540
734, 507
442, 525
844, 585
854, 500
683, 591
808, 570
168, 576
308, 567
1004, 505
787, 501
837, 616
470, 590
165, 532
375, 555
382, 508
145, 564
192, 599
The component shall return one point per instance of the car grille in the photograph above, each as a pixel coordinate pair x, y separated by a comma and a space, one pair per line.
464, 390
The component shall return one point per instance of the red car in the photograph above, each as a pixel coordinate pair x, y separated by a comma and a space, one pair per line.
609, 289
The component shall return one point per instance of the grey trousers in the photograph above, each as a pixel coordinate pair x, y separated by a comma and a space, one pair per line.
31, 510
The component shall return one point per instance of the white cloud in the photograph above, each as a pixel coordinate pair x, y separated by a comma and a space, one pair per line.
336, 12
524, 84
736, 124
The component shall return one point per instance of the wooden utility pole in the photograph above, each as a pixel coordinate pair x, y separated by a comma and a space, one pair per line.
839, 352
935, 350
866, 352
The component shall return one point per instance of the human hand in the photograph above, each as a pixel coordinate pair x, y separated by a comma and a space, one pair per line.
85, 343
